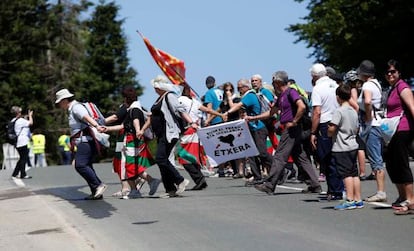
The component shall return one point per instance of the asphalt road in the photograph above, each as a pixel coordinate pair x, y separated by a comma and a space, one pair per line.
48, 213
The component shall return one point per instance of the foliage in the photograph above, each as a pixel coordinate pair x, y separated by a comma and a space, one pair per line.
342, 33
46, 46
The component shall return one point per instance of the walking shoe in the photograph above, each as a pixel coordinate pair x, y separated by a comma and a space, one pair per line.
362, 177
133, 194
376, 198
370, 177
182, 185
27, 177
330, 197
359, 204
153, 184
310, 189
120, 193
346, 205
170, 194
92, 197
238, 176
264, 188
321, 177
100, 190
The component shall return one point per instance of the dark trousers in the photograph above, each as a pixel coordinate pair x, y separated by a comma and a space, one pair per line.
290, 143
83, 164
21, 163
66, 156
169, 173
195, 172
264, 159
324, 146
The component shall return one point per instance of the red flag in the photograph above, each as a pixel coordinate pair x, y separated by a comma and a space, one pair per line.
172, 67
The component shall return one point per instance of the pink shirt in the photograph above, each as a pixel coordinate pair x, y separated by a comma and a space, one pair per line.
394, 106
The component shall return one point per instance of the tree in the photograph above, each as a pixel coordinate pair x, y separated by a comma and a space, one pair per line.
342, 33
106, 69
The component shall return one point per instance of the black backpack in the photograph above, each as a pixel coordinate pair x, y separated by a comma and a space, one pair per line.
11, 135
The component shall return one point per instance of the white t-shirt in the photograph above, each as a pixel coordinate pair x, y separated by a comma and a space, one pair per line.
76, 113
192, 107
323, 95
23, 131
374, 87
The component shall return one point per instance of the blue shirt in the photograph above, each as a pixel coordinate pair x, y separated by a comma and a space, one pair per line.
267, 93
252, 106
214, 96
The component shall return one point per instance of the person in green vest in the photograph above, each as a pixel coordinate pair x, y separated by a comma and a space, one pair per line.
38, 147
64, 148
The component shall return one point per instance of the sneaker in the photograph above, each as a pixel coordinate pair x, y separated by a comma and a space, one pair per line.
321, 177
376, 198
170, 194
120, 193
317, 189
362, 177
346, 205
27, 177
370, 177
100, 190
182, 185
238, 176
153, 184
359, 204
264, 188
92, 197
133, 194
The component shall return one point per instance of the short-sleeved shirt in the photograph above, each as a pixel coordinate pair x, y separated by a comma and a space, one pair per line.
395, 107
134, 113
267, 93
22, 128
251, 104
214, 96
374, 87
76, 113
192, 107
286, 104
346, 120
323, 95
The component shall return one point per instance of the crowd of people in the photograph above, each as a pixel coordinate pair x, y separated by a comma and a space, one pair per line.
344, 129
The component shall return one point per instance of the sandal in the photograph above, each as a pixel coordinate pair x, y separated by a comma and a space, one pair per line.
405, 210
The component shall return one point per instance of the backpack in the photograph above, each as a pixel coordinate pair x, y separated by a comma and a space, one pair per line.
265, 104
11, 136
177, 119
94, 112
306, 120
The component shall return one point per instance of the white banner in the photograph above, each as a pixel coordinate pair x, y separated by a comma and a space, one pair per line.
228, 141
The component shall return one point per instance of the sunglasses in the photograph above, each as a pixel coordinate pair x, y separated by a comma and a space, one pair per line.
391, 72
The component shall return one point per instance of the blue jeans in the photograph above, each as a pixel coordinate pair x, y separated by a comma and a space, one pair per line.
324, 146
374, 145
83, 164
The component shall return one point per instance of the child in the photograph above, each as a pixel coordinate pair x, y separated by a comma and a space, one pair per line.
343, 129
